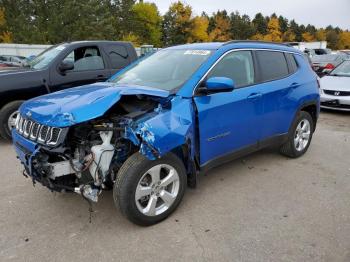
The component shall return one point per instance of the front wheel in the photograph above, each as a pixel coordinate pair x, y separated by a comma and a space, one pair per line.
8, 115
299, 137
149, 191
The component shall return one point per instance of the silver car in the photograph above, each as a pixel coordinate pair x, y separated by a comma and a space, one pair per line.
335, 88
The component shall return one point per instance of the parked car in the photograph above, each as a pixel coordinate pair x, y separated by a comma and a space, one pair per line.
335, 88
323, 64
153, 127
12, 60
59, 67
317, 51
345, 51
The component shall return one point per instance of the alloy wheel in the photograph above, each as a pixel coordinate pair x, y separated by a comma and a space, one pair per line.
157, 190
11, 122
302, 135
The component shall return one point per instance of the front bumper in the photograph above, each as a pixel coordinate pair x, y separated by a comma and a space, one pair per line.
28, 153
341, 103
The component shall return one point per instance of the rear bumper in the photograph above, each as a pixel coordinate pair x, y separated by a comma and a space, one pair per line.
341, 103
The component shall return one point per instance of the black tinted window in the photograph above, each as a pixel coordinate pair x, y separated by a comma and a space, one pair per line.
118, 55
293, 66
238, 66
272, 65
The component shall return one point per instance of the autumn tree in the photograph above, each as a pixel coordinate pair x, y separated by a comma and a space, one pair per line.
288, 36
177, 22
199, 29
222, 27
320, 35
308, 37
344, 40
332, 37
5, 36
273, 31
147, 24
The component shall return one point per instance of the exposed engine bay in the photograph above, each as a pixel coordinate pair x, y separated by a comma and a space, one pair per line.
90, 154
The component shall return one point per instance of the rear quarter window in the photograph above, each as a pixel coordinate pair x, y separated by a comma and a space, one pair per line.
292, 64
272, 65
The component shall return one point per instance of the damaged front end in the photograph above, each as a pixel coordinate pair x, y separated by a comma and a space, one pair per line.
85, 157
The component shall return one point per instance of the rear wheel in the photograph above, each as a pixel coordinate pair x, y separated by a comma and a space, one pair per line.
299, 137
149, 191
8, 115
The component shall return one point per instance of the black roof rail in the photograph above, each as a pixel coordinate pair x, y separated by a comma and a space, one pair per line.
256, 41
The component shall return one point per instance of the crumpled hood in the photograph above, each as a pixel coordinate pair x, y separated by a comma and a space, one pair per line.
80, 104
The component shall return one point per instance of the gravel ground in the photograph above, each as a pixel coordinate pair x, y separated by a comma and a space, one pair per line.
263, 207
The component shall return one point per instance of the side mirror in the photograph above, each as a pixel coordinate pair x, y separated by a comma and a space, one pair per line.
219, 84
65, 66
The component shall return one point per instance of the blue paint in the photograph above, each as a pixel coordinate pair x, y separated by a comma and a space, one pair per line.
80, 104
219, 83
210, 125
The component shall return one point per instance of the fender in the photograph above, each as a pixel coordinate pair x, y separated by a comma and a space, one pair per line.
305, 104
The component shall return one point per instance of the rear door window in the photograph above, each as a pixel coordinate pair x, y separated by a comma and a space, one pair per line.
272, 65
118, 55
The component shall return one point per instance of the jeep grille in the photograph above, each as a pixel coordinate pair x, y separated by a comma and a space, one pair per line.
36, 132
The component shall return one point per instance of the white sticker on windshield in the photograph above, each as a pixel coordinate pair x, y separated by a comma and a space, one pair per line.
197, 52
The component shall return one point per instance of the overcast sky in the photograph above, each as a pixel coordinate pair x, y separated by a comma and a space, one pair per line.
317, 12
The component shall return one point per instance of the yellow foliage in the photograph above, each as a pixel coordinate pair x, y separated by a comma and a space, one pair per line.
5, 36
199, 31
2, 17
132, 38
184, 14
320, 35
288, 36
274, 34
221, 30
344, 40
307, 37
257, 37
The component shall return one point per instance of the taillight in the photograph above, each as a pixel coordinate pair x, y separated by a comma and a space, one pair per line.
329, 66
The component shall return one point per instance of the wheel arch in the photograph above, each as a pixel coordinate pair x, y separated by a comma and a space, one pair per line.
312, 108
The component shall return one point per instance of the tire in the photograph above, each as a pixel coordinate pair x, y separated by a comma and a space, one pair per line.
136, 170
5, 113
295, 149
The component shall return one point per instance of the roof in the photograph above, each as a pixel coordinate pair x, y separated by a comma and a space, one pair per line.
95, 42
237, 44
199, 46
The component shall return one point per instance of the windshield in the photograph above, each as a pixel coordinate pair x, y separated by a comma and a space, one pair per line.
324, 58
45, 58
166, 69
342, 70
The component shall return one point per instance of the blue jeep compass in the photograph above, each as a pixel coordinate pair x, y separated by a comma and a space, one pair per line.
153, 127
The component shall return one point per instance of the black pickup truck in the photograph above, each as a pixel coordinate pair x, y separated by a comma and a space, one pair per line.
59, 67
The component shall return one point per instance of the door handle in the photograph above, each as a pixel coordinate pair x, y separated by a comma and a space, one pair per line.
100, 77
254, 96
294, 85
